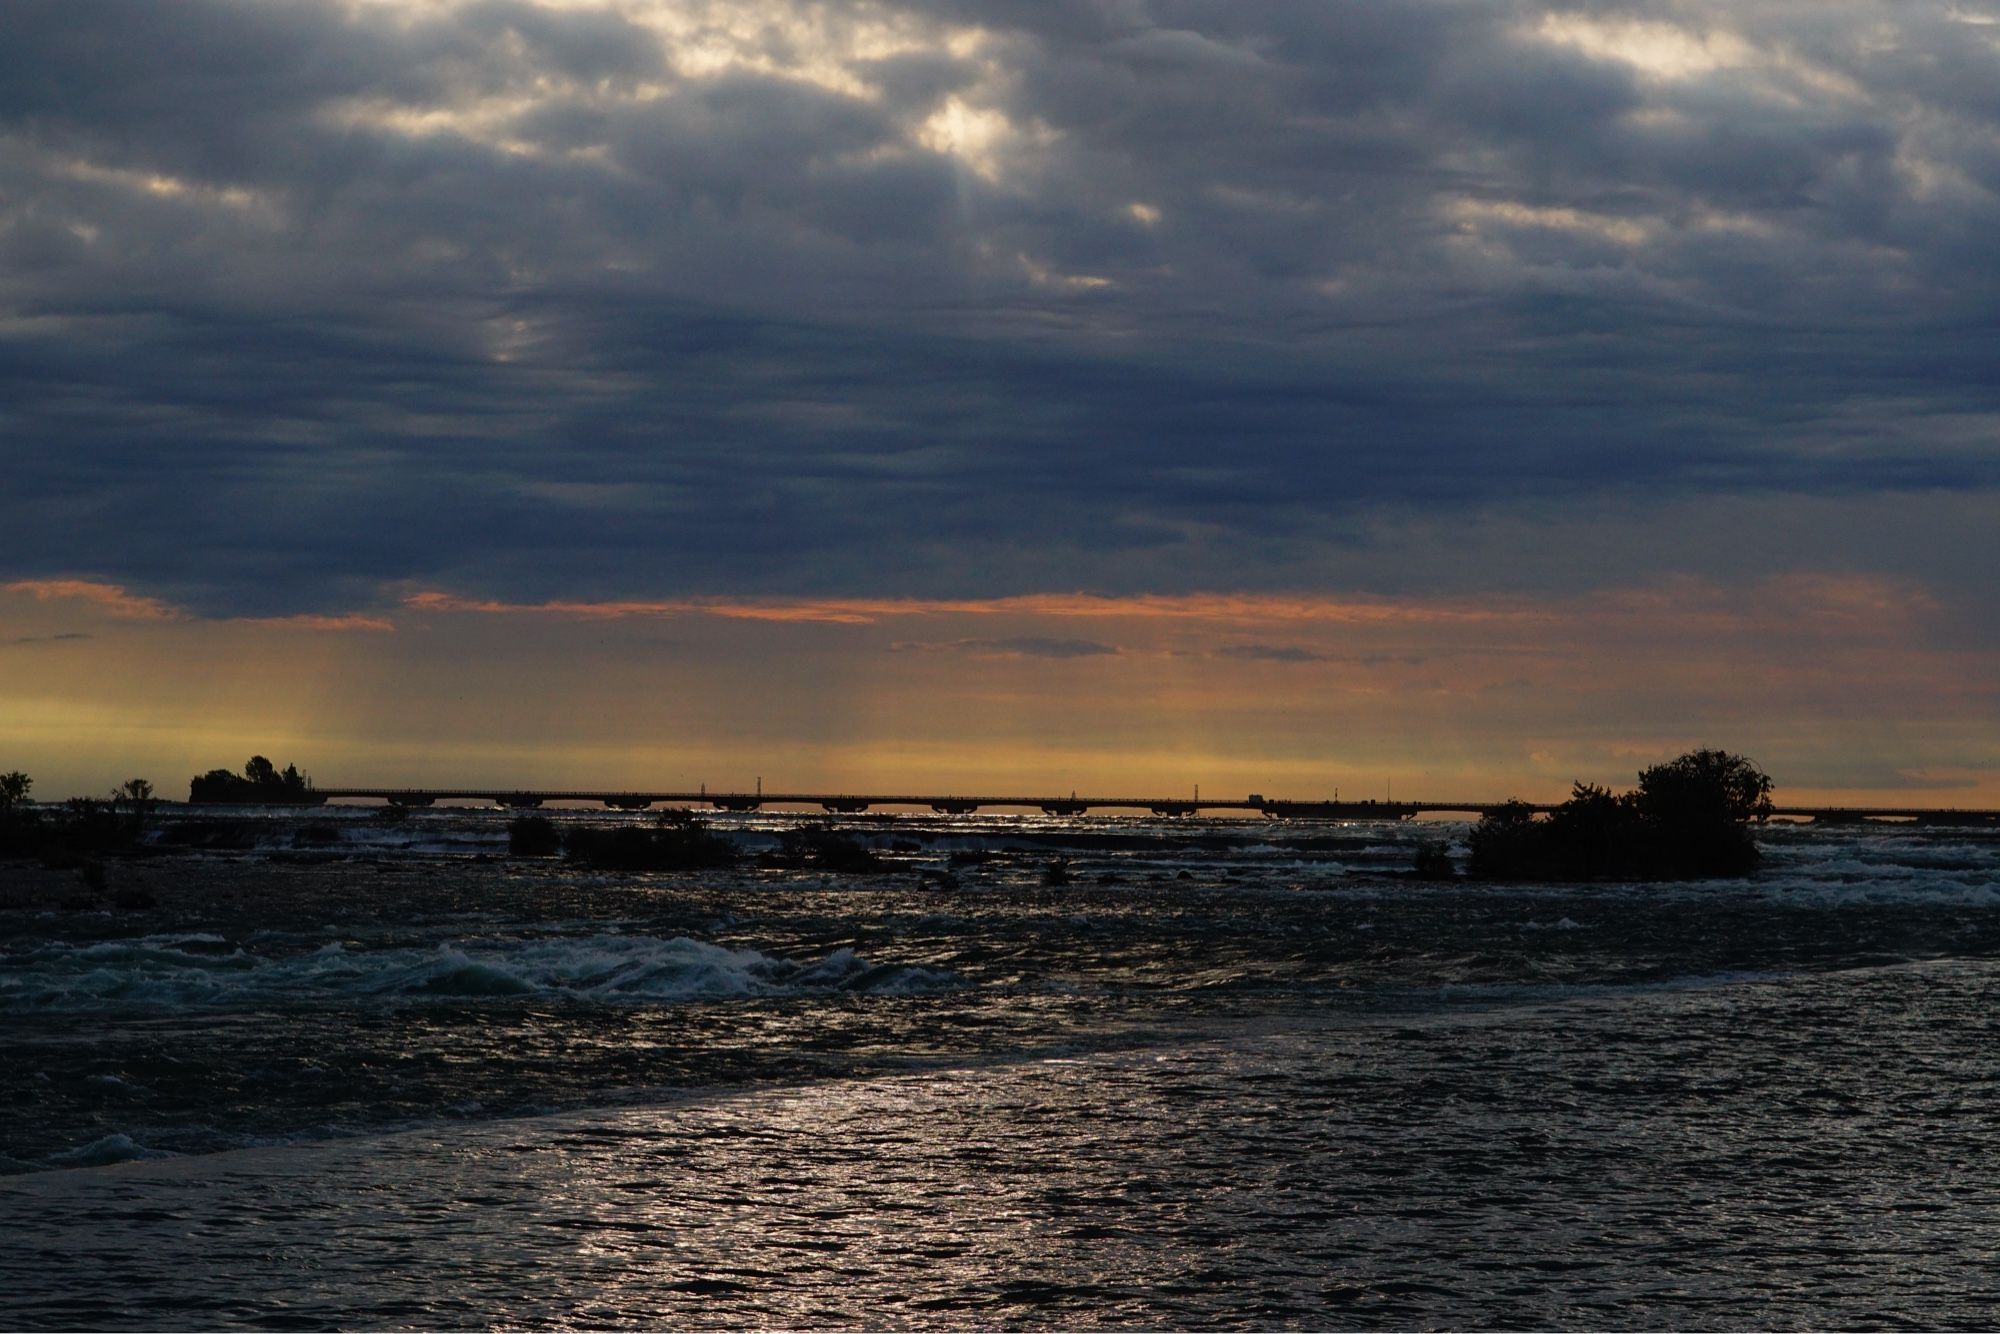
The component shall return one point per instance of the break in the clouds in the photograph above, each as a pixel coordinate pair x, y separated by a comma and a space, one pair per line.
307, 305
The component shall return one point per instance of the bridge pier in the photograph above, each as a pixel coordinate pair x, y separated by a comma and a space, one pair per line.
843, 806
413, 799
628, 803
737, 803
954, 807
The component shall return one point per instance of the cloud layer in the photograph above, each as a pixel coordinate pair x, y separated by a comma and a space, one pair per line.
303, 307
1120, 389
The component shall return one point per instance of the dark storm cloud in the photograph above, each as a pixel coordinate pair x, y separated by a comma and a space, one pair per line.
303, 304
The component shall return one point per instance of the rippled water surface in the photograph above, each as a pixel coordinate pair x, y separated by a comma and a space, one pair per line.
1231, 1074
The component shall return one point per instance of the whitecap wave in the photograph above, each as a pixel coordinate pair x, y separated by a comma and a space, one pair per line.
103, 1152
157, 972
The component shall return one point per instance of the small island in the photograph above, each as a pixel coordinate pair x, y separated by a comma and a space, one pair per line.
1689, 819
260, 784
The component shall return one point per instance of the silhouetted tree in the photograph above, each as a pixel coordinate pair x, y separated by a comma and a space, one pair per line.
134, 797
1502, 839
260, 783
216, 785
1705, 785
1689, 818
1697, 810
19, 834
1592, 834
1433, 862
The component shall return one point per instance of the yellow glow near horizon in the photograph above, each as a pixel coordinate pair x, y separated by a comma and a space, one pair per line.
1285, 694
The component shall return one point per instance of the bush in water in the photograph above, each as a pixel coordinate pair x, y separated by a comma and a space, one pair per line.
1688, 819
533, 836
673, 844
81, 827
1433, 862
819, 848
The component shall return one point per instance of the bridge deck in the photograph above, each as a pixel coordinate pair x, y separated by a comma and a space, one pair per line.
1072, 803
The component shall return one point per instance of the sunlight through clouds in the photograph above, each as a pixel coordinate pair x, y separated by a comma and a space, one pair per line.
1656, 50
1107, 324
164, 186
832, 48
1668, 54
1508, 213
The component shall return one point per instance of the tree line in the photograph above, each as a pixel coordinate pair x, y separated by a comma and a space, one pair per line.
260, 784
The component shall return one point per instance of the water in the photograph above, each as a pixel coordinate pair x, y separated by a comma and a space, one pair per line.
384, 1077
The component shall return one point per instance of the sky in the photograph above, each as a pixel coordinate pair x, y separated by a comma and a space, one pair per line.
1448, 397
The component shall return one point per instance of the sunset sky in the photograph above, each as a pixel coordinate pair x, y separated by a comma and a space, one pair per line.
1282, 396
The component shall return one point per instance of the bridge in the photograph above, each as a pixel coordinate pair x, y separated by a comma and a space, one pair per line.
839, 803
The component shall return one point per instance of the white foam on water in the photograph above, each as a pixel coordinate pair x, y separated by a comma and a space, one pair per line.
1929, 890
605, 968
110, 1149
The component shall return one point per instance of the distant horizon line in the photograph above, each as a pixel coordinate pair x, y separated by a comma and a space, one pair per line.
1070, 804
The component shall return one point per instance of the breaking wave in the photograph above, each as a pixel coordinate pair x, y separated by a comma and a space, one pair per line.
191, 971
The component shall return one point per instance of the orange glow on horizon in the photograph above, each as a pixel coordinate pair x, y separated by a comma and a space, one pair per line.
1851, 690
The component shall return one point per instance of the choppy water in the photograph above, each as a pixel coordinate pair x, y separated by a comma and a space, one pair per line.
1232, 1074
